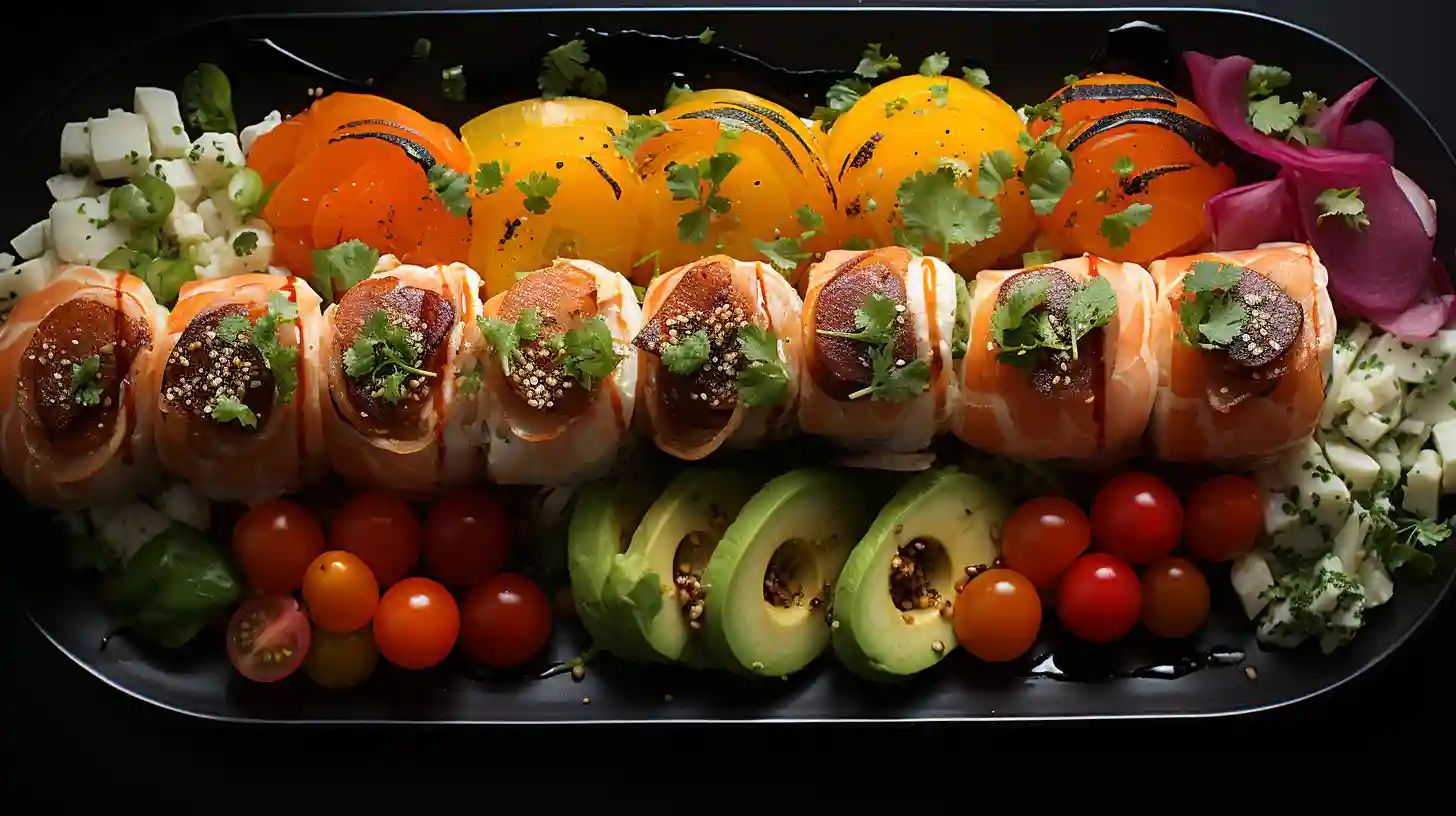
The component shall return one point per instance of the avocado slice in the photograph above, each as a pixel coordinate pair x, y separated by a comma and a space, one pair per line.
771, 576
655, 587
891, 603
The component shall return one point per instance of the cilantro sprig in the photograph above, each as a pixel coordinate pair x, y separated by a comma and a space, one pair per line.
877, 325
1048, 170
1342, 203
338, 269
564, 72
86, 381
262, 333
934, 65
687, 354
764, 380
505, 337
491, 176
228, 408
1406, 540
702, 183
874, 64
786, 252
1209, 316
538, 188
453, 188
1271, 115
638, 130
587, 353
385, 356
874, 321
1022, 329
933, 207
1117, 227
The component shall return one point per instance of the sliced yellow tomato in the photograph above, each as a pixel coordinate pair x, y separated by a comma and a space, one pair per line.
910, 124
780, 172
512, 121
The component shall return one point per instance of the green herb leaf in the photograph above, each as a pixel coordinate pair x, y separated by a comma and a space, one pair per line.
1012, 326
874, 321
997, 167
505, 337
1117, 228
1208, 316
1071, 78
1346, 204
1123, 166
1040, 257
707, 36
86, 381
588, 353
385, 357
1265, 79
639, 129
207, 97
854, 243
977, 77
687, 355
491, 176
564, 71
232, 327
874, 64
933, 207
472, 379
941, 94
281, 360
1225, 322
895, 105
702, 183
1211, 276
1270, 115
1093, 304
809, 218
245, 243
763, 381
538, 189
840, 97
891, 382
228, 408
453, 188
337, 270
452, 83
675, 92
935, 64
172, 586
1047, 175
784, 253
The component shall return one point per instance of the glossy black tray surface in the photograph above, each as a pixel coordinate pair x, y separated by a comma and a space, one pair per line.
273, 61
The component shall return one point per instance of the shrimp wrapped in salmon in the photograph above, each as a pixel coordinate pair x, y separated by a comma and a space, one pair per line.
878, 367
401, 353
238, 379
720, 356
76, 411
1244, 343
560, 389
1059, 362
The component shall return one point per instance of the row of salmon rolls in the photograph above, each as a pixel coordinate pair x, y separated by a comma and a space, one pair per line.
249, 388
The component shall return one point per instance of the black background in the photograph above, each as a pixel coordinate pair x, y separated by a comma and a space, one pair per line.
68, 736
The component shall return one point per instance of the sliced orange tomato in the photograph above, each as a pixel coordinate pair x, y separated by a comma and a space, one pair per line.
910, 124
781, 171
595, 209
1176, 166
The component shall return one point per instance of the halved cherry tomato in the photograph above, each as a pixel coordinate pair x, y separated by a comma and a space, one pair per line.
1223, 519
340, 660
275, 542
267, 638
1175, 598
467, 537
997, 615
1137, 518
1043, 537
417, 623
505, 621
1098, 598
382, 530
340, 591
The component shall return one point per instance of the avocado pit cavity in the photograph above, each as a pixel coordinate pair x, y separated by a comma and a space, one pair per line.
691, 558
918, 571
792, 569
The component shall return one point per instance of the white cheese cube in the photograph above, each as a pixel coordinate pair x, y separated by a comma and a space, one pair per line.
76, 149
1365, 429
179, 176
251, 133
1410, 436
1387, 453
31, 276
1302, 491
1350, 540
164, 122
215, 158
211, 220
228, 213
1371, 385
1444, 435
84, 231
125, 528
65, 187
255, 259
182, 503
1376, 581
1251, 578
6, 260
1432, 404
120, 146
183, 225
1358, 468
1423, 486
33, 242
1407, 361
1274, 629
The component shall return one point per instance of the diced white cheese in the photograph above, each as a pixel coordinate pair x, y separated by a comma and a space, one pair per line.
120, 146
182, 503
1275, 630
1355, 466
184, 225
65, 187
255, 260
228, 213
1344, 623
1444, 436
164, 122
1410, 436
1251, 578
251, 133
1371, 386
1305, 502
33, 242
125, 528
84, 232
1376, 581
179, 176
6, 260
1432, 404
1387, 453
1423, 486
1350, 540
1365, 429
215, 158
1347, 348
76, 149
31, 276
1407, 361
211, 220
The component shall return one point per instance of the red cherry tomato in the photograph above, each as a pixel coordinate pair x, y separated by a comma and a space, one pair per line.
1137, 518
997, 615
1098, 598
1223, 519
275, 542
416, 624
340, 591
383, 531
268, 638
505, 621
467, 537
1175, 598
1043, 537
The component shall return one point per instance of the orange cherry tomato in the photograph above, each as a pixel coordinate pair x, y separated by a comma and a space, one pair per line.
340, 591
382, 530
998, 615
467, 537
417, 624
1175, 598
275, 542
1223, 518
1043, 537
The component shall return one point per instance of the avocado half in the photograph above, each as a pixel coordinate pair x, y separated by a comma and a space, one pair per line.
889, 615
655, 588
769, 581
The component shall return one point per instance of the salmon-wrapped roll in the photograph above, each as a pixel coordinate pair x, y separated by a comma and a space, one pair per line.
239, 383
1059, 364
1244, 341
720, 356
878, 371
561, 386
402, 353
76, 411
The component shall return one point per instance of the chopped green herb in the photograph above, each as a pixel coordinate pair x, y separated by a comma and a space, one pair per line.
1117, 228
895, 105
840, 97
336, 270
935, 64
1040, 257
452, 83
934, 208
638, 130
1208, 315
1021, 332
453, 188
176, 130
86, 381
491, 176
1406, 540
1123, 166
960, 336
675, 93
707, 36
977, 77
538, 189
1270, 115
281, 360
1266, 79
763, 381
687, 355
384, 356
941, 94
1047, 173
874, 321
701, 183
857, 244
874, 64
233, 326
505, 338
997, 167
564, 72
1070, 79
1344, 203
656, 257
228, 408
245, 243
893, 380
588, 355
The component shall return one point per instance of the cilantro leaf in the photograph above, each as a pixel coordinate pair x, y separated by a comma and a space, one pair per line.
783, 253
855, 243
538, 189
232, 326
701, 183
281, 360
892, 381
997, 167
588, 353
1211, 276
638, 130
228, 408
675, 92
763, 381
1070, 79
707, 36
1093, 304
1123, 166
840, 97
977, 77
941, 94
809, 218
874, 64
453, 188
1265, 79
1404, 541
1346, 204
1225, 322
935, 64
1010, 328
245, 243
1270, 115
687, 355
875, 320
384, 355
1047, 175
452, 83
564, 71
1208, 315
86, 381
505, 337
896, 105
933, 207
472, 379
528, 323
491, 176
692, 226
337, 270
1117, 228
